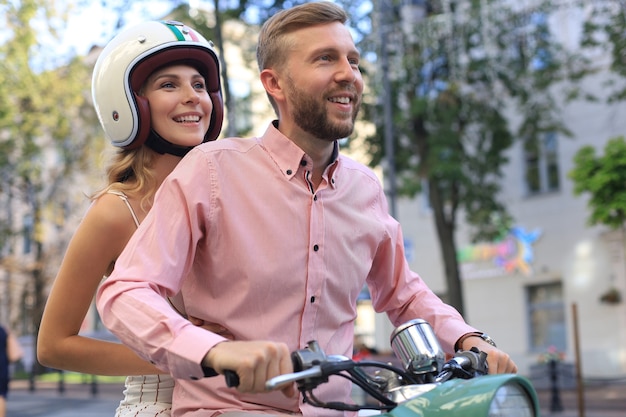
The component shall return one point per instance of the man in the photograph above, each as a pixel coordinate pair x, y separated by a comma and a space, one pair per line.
276, 236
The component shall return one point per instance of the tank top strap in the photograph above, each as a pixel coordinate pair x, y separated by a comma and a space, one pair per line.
124, 198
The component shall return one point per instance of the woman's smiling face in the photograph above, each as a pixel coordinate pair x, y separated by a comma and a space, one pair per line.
180, 106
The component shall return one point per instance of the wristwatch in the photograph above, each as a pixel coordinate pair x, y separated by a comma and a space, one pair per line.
487, 339
484, 336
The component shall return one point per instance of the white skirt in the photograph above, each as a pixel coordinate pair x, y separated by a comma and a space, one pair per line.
147, 396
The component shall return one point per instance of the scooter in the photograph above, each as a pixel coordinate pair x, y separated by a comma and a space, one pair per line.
425, 386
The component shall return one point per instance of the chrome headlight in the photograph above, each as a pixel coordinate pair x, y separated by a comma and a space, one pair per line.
511, 400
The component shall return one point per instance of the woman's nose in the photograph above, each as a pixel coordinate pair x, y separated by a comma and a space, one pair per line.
191, 95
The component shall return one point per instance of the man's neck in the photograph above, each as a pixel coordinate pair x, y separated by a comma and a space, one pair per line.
319, 150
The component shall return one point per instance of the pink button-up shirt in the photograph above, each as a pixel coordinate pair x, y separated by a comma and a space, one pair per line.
240, 233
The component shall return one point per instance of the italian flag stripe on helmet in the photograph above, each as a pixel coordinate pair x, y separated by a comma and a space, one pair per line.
186, 33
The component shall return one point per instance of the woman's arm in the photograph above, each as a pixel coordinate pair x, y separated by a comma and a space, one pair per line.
98, 241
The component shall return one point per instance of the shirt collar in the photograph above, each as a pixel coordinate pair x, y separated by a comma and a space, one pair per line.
288, 155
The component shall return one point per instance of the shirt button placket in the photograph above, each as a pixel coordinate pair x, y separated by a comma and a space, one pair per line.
315, 248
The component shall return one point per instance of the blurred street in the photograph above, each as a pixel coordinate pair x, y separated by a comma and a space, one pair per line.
607, 399
76, 401
601, 400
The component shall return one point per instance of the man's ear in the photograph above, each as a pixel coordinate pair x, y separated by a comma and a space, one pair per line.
272, 84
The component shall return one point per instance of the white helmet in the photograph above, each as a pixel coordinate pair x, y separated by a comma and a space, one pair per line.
129, 59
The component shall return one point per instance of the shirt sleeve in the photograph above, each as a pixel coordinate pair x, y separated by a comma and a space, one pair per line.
133, 300
403, 295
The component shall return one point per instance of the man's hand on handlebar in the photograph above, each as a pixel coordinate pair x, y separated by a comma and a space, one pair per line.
254, 362
498, 361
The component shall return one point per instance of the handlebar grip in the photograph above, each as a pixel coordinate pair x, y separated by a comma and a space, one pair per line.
232, 379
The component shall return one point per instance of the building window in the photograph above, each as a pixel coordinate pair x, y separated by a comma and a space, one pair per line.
546, 317
542, 164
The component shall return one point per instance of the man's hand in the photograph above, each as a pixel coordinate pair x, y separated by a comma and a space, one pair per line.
498, 361
254, 362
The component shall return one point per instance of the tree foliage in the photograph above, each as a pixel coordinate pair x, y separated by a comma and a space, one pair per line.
604, 32
603, 178
47, 129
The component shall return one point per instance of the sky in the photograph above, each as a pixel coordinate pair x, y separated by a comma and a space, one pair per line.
88, 25
95, 25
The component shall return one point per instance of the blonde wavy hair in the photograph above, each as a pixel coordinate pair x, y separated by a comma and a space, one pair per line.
130, 171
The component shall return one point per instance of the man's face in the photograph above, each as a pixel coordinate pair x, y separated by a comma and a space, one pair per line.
323, 83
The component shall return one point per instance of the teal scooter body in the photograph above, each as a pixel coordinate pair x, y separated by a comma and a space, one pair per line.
506, 395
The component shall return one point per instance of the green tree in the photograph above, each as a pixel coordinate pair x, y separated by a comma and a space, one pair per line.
604, 33
603, 178
47, 128
456, 74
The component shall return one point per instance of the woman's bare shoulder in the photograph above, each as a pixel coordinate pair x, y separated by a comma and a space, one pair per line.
109, 212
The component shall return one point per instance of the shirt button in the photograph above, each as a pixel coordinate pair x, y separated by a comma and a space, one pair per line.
303, 163
315, 197
289, 172
312, 299
316, 248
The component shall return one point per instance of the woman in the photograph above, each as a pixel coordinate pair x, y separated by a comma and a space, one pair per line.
156, 90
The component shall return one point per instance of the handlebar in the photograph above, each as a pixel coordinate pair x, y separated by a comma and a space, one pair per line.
312, 367
466, 364
232, 379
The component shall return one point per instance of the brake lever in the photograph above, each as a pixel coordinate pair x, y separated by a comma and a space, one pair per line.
284, 379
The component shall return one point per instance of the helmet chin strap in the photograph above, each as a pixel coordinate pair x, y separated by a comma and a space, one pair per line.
160, 145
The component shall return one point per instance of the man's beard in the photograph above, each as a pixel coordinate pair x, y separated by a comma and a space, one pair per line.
312, 117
